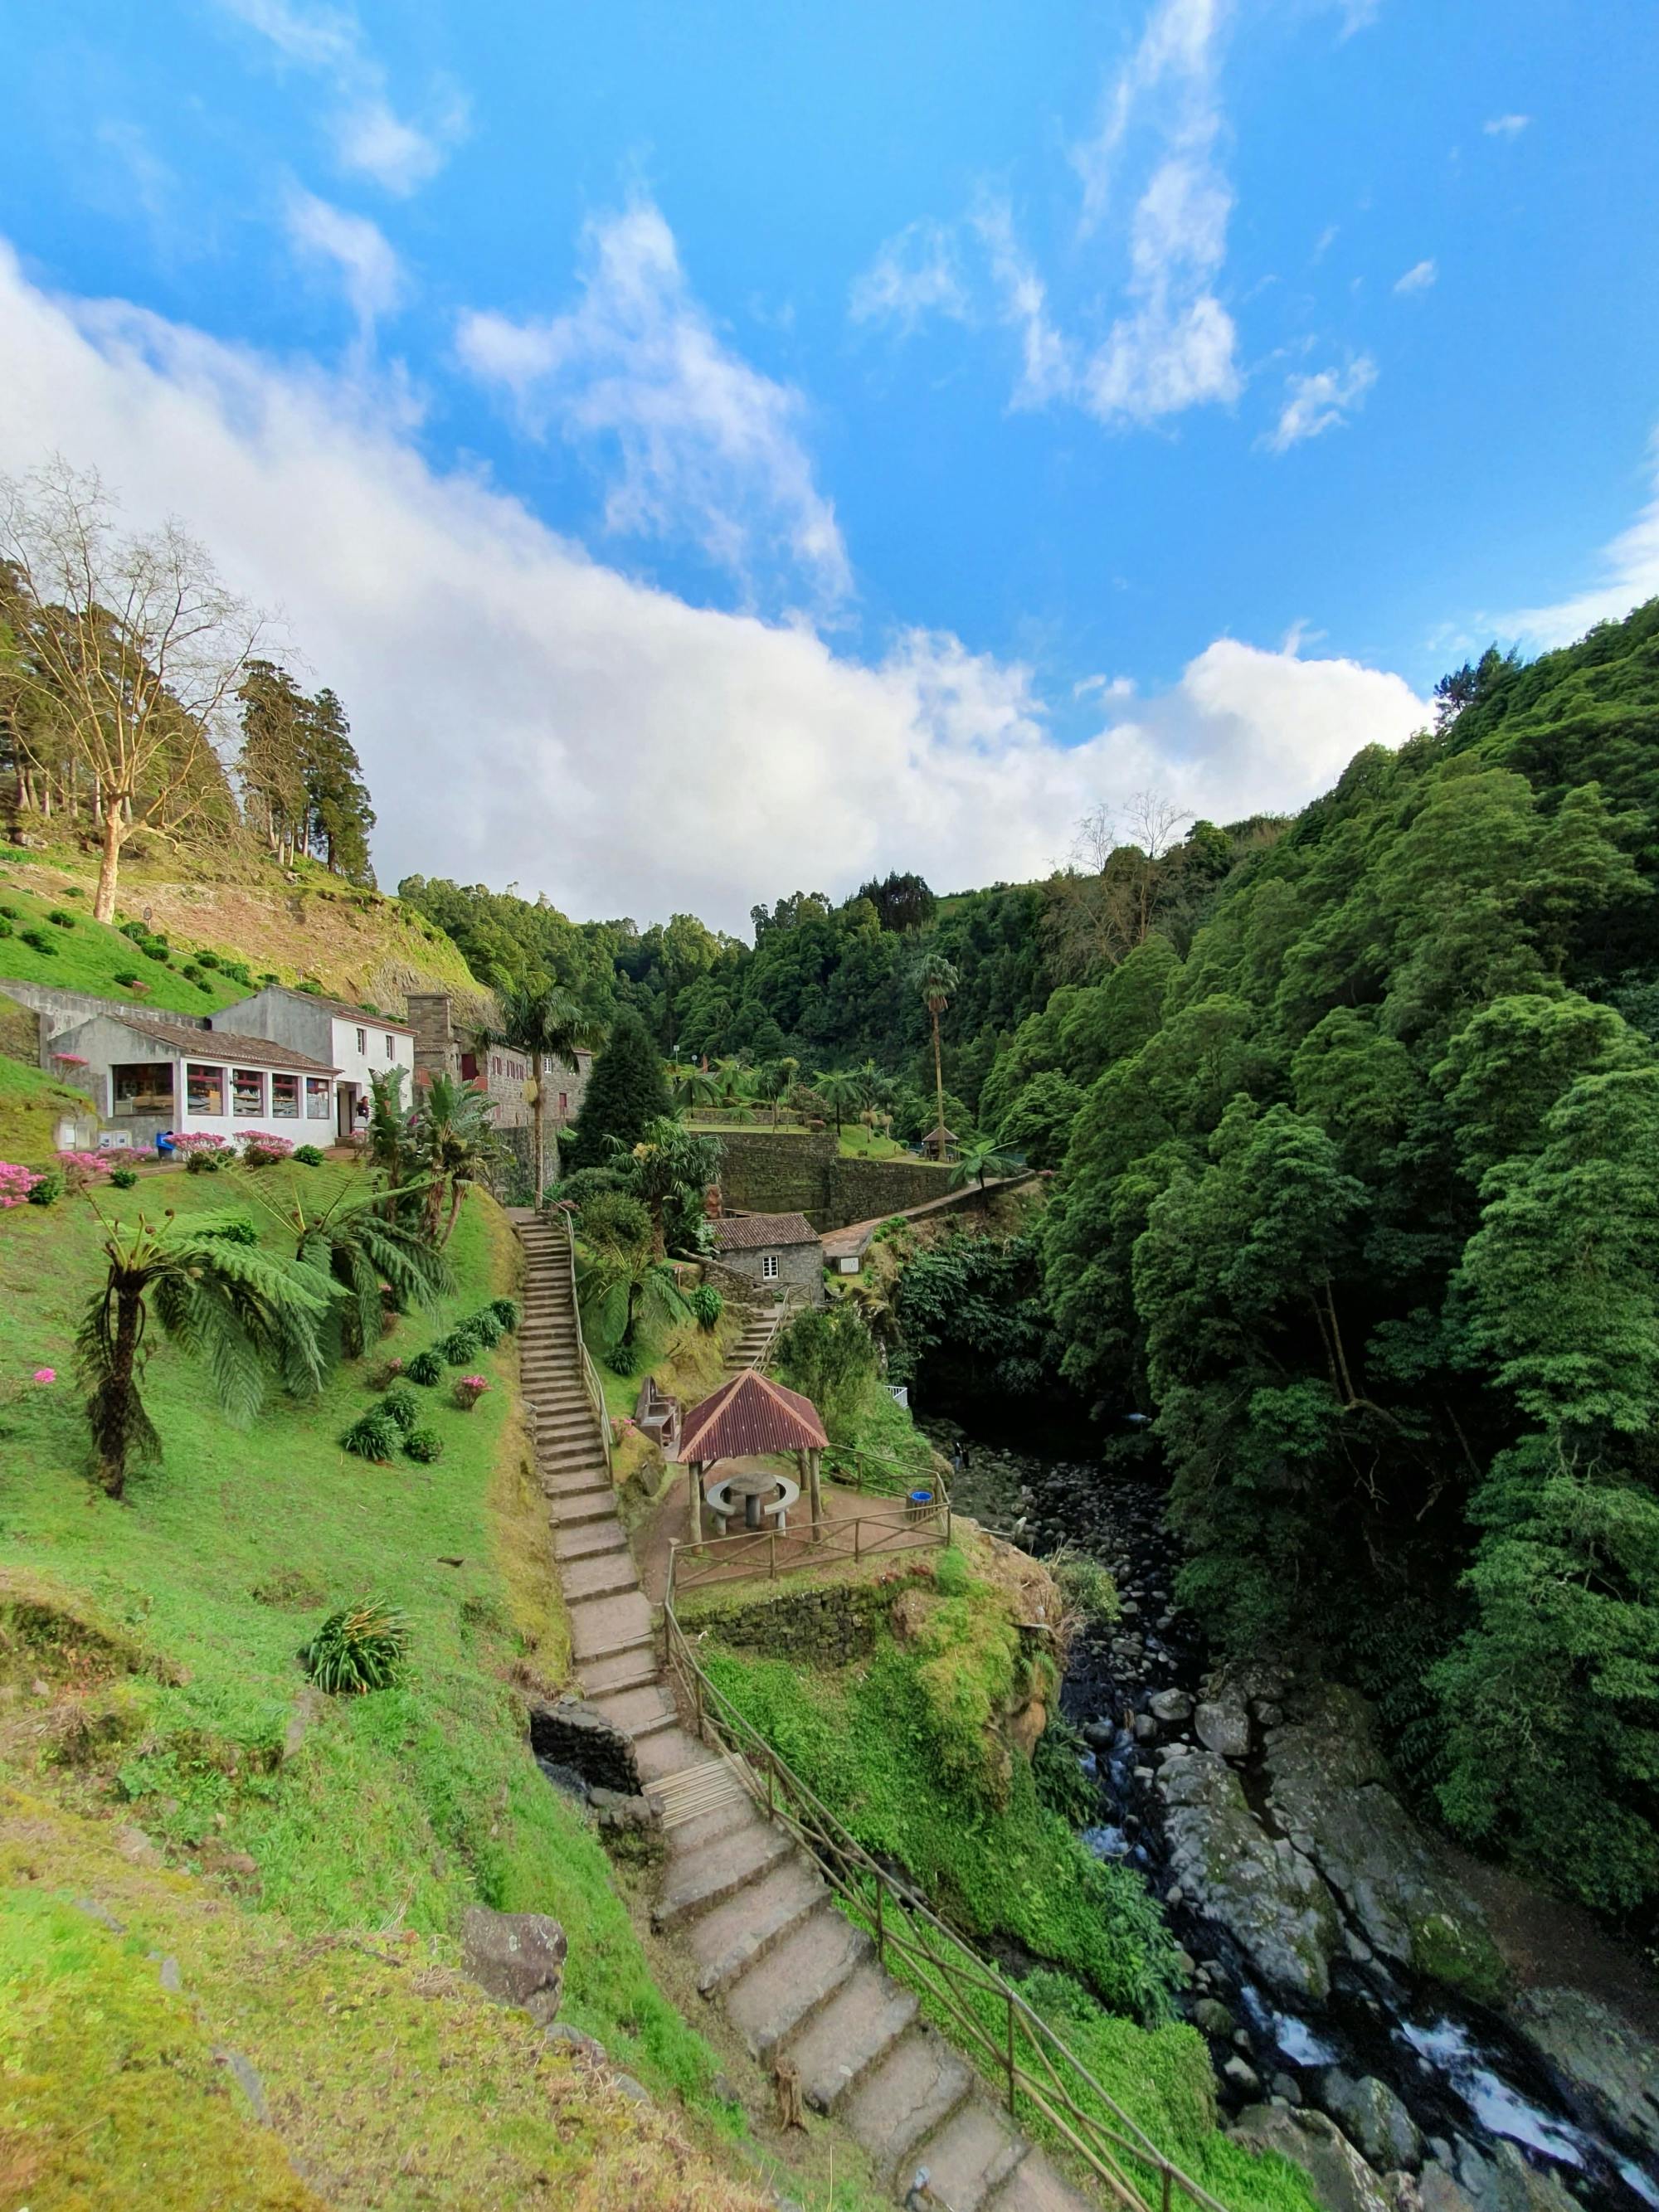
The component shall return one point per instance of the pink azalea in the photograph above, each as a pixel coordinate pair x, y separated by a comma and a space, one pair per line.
46, 1374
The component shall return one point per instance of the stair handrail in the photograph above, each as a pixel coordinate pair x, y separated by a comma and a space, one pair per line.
591, 1383
945, 1962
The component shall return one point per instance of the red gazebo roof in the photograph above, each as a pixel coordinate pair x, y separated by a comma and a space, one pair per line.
749, 1416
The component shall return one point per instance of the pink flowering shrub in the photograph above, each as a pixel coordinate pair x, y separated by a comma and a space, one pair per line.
201, 1153
44, 1375
16, 1183
81, 1170
264, 1148
468, 1391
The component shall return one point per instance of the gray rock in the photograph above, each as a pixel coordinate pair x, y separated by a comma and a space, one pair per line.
573, 1733
562, 2032
1212, 2017
1274, 1904
1244, 2077
1099, 1735
1169, 1706
636, 2092
1602, 2053
1145, 1728
515, 1958
618, 1811
1438, 2190
1287, 2086
1224, 1728
249, 2081
1505, 2183
101, 1914
1339, 2177
1372, 2117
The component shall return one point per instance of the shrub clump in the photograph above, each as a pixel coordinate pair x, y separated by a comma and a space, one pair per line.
372, 1435
506, 1311
126, 977
360, 1647
124, 1178
467, 1391
486, 1329
427, 1368
46, 1190
425, 1445
307, 1156
38, 941
706, 1304
460, 1345
59, 919
401, 1406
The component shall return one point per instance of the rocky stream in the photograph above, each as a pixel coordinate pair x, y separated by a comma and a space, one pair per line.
1361, 2013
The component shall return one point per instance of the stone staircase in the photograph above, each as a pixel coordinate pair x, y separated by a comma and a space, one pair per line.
751, 1346
797, 1980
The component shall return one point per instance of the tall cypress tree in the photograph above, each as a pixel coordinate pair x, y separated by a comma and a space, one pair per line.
626, 1089
340, 817
271, 765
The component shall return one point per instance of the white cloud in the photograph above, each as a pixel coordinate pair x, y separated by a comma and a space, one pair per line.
1630, 566
1505, 126
1045, 370
370, 138
1319, 402
370, 272
1417, 277
1114, 687
704, 445
916, 273
525, 711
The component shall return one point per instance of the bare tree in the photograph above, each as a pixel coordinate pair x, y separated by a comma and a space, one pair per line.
135, 644
1123, 863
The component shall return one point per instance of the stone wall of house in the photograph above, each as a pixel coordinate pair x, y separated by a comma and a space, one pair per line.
437, 1048
800, 1269
802, 1172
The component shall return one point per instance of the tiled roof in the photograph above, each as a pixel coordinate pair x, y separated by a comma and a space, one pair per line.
754, 1233
340, 1006
750, 1415
214, 1044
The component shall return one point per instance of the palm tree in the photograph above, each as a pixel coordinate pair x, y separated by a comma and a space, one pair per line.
454, 1142
388, 1124
981, 1160
692, 1087
937, 980
359, 1241
213, 1292
843, 1093
622, 1288
547, 1024
773, 1083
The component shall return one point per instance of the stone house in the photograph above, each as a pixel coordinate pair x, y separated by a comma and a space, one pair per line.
775, 1252
146, 1074
353, 1042
443, 1045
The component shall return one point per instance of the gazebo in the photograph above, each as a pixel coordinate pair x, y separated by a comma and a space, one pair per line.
752, 1417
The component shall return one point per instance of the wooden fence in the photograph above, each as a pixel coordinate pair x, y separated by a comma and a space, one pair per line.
775, 1553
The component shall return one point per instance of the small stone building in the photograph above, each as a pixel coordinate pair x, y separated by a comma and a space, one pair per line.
775, 1252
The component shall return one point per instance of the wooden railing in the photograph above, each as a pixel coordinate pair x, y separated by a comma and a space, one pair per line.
1042, 2082
787, 1306
591, 1383
775, 1552
879, 1474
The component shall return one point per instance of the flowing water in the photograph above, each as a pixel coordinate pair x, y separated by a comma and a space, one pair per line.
1466, 2079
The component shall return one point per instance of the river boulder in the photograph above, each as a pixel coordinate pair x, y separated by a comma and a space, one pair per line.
1340, 2178
1223, 1727
1372, 2117
1265, 1893
1601, 2052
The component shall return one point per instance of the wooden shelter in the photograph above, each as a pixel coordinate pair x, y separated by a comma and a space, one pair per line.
753, 1417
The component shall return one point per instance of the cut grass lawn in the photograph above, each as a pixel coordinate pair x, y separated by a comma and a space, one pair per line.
30, 1107
325, 1817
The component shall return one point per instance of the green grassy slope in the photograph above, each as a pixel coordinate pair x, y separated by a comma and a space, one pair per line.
385, 1814
31, 1106
89, 956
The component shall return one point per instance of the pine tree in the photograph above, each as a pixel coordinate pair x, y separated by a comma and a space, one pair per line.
339, 816
626, 1089
271, 765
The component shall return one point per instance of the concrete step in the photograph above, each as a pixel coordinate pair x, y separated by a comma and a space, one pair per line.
572, 1509
635, 1712
1034, 2186
971, 2155
587, 1538
738, 1935
905, 2098
708, 1877
665, 1752
627, 1671
600, 1625
779, 1994
856, 2029
719, 1816
605, 1576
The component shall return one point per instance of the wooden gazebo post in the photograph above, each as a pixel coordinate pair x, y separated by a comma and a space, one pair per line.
694, 1470
811, 1461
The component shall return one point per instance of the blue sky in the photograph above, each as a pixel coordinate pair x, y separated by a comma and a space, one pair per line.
895, 429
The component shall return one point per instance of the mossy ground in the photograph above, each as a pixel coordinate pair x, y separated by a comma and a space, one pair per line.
30, 1107
387, 1814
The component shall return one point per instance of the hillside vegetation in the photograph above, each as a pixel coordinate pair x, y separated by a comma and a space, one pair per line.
172, 1786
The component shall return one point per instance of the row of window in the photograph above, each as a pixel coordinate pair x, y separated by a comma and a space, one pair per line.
362, 1045
204, 1094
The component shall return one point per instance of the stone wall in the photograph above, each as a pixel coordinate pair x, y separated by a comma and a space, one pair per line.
800, 1269
571, 1734
832, 1623
61, 1010
800, 1171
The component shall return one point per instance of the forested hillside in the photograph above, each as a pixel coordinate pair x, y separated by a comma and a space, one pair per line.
1358, 1200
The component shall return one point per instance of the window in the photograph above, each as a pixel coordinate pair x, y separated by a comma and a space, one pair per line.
769, 1267
564, 1102
143, 1087
317, 1089
204, 1088
391, 1046
362, 1041
494, 1063
247, 1091
284, 1097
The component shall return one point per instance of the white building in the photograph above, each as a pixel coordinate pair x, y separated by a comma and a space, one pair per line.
352, 1042
147, 1075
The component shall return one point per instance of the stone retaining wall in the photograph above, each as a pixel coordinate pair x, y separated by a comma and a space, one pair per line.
831, 1623
800, 1171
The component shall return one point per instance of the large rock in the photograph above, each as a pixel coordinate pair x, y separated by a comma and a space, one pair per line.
1372, 2117
1599, 2051
1223, 1727
1339, 2177
1169, 1706
1273, 1902
1504, 2182
1332, 1793
516, 1958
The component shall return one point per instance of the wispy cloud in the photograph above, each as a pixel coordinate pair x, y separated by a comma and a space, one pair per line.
1321, 401
1046, 366
1505, 126
370, 270
697, 443
370, 138
1630, 574
915, 274
1417, 277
